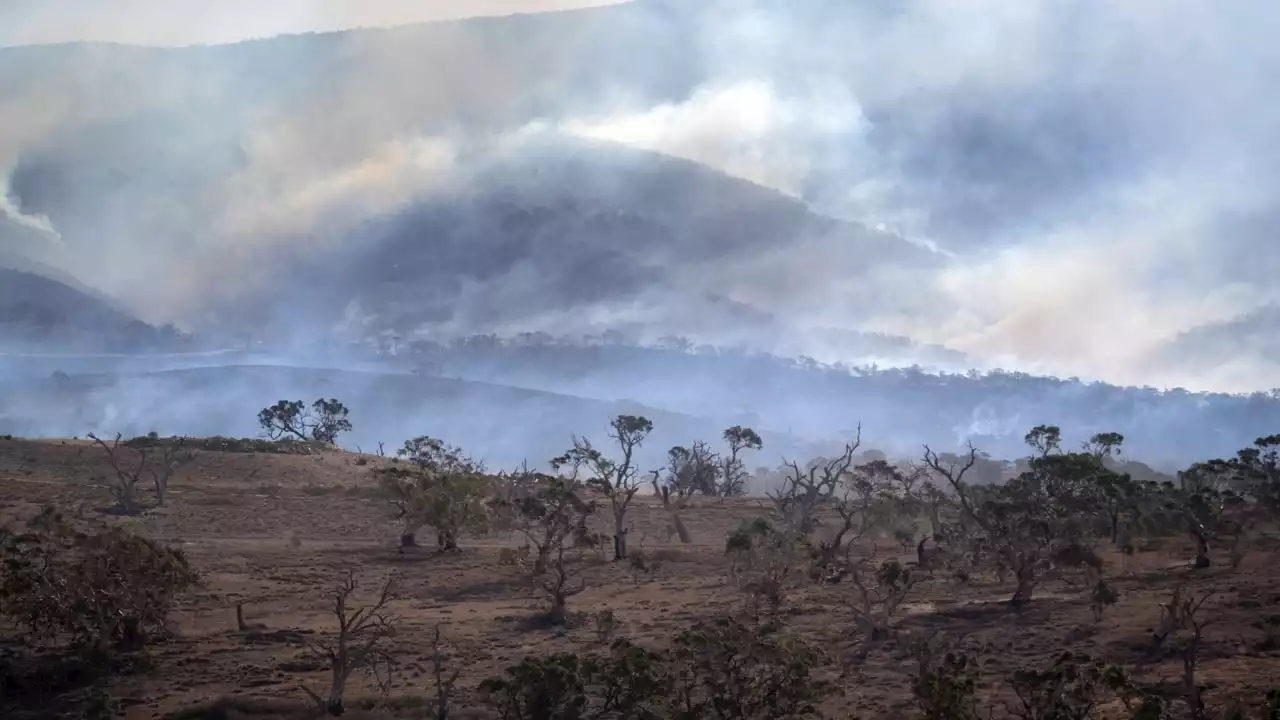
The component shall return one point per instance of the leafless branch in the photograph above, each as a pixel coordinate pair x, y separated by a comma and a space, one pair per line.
127, 478
360, 643
445, 680
804, 490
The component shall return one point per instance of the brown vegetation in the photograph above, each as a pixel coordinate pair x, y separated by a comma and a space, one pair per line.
1070, 591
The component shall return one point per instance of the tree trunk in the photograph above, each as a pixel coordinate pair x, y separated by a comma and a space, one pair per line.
131, 636
681, 530
1202, 549
446, 541
408, 531
1195, 699
1170, 619
337, 689
619, 538
1115, 528
1026, 586
559, 614
935, 521
125, 501
870, 630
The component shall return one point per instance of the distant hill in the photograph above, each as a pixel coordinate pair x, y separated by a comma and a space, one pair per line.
523, 236
899, 409
564, 236
37, 312
522, 398
10, 260
503, 424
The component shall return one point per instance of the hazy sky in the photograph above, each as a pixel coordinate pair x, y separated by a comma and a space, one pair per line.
1102, 176
188, 22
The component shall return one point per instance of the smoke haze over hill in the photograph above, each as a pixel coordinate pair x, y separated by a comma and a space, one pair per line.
1078, 190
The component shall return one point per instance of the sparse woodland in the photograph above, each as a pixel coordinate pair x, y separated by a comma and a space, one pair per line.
845, 576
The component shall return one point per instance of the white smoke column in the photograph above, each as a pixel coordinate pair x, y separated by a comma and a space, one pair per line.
743, 128
10, 211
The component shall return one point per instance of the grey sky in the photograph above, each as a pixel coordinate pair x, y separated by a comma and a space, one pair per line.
188, 22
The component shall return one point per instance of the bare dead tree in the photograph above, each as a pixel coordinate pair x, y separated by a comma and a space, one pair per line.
673, 504
558, 582
1182, 612
363, 634
861, 499
160, 466
954, 474
934, 499
173, 455
443, 678
508, 490
876, 593
804, 490
127, 477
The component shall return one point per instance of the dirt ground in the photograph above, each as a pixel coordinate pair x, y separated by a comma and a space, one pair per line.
278, 532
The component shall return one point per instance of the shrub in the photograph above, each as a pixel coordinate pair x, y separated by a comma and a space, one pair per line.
765, 562
607, 624
628, 683
102, 588
945, 684
729, 669
1102, 597
1072, 687
719, 669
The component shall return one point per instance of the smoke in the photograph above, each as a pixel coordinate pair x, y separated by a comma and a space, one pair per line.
190, 22
744, 129
1085, 183
11, 213
1097, 173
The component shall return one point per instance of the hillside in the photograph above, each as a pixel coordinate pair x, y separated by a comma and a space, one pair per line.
39, 312
161, 132
899, 408
566, 236
523, 398
506, 425
281, 189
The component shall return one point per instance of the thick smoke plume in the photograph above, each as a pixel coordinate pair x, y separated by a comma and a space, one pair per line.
1081, 184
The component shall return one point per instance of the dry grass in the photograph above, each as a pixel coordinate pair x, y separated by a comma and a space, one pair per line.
274, 531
